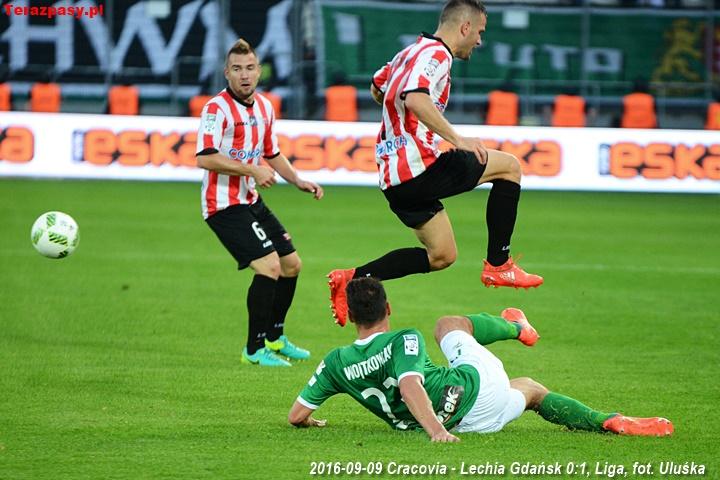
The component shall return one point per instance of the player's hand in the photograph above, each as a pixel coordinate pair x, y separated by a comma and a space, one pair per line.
476, 146
314, 422
264, 176
311, 187
444, 437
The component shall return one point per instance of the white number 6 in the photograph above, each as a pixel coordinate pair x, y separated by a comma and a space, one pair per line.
259, 231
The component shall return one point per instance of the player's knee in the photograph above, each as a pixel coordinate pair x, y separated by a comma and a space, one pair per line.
291, 267
534, 392
269, 267
514, 169
447, 324
443, 258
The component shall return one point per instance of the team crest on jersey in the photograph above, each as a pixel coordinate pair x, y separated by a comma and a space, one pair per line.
251, 121
431, 67
209, 127
411, 344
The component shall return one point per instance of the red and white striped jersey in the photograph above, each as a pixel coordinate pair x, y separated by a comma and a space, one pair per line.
242, 132
405, 147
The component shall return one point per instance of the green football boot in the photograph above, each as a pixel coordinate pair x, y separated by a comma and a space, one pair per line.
283, 346
263, 357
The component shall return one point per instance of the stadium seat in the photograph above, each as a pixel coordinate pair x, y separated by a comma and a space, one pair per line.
45, 97
568, 111
5, 96
503, 108
123, 100
341, 103
276, 101
196, 104
713, 116
638, 111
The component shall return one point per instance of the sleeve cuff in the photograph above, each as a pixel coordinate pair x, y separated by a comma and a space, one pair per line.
207, 151
407, 374
421, 90
375, 84
270, 157
307, 404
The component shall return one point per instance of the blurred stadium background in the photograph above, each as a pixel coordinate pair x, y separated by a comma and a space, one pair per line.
172, 49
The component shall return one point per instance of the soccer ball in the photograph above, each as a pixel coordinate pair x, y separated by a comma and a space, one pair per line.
55, 234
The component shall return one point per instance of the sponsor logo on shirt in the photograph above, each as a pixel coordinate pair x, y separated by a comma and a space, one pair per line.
449, 402
389, 147
238, 154
251, 122
411, 344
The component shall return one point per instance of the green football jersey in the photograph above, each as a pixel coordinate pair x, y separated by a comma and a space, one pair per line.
369, 371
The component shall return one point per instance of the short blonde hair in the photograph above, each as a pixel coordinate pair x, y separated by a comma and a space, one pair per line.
240, 47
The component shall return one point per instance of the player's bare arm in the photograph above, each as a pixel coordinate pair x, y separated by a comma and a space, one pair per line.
219, 163
377, 94
418, 402
285, 169
421, 105
301, 417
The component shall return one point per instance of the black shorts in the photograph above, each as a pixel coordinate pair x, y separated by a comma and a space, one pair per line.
418, 200
250, 232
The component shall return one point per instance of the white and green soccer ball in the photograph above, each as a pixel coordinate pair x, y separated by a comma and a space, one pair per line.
55, 234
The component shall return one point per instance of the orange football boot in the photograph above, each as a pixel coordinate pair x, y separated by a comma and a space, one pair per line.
508, 275
649, 427
528, 335
338, 297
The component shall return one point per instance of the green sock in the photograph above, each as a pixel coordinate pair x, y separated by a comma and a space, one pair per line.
566, 411
488, 328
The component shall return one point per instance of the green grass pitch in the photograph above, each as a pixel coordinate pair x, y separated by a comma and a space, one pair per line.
122, 361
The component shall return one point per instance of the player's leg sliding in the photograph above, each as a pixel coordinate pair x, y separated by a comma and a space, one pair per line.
499, 270
275, 340
511, 325
395, 264
566, 411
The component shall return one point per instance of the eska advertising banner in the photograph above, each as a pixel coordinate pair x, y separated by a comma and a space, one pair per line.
163, 149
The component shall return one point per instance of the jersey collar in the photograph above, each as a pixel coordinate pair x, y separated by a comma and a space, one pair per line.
438, 39
367, 340
237, 99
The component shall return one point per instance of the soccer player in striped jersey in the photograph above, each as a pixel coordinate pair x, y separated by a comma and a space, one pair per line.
236, 131
413, 90
389, 373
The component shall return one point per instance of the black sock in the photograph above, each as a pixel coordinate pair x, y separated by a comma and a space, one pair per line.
500, 216
396, 264
284, 293
259, 304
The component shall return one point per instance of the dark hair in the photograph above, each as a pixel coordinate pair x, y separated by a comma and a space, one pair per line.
240, 47
452, 8
366, 300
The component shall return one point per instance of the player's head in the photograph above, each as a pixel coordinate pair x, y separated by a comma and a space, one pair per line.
242, 69
466, 21
367, 302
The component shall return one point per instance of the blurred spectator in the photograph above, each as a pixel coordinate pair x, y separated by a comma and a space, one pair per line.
639, 107
45, 95
569, 110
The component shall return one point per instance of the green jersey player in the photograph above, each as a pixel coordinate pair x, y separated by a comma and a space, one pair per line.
389, 373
